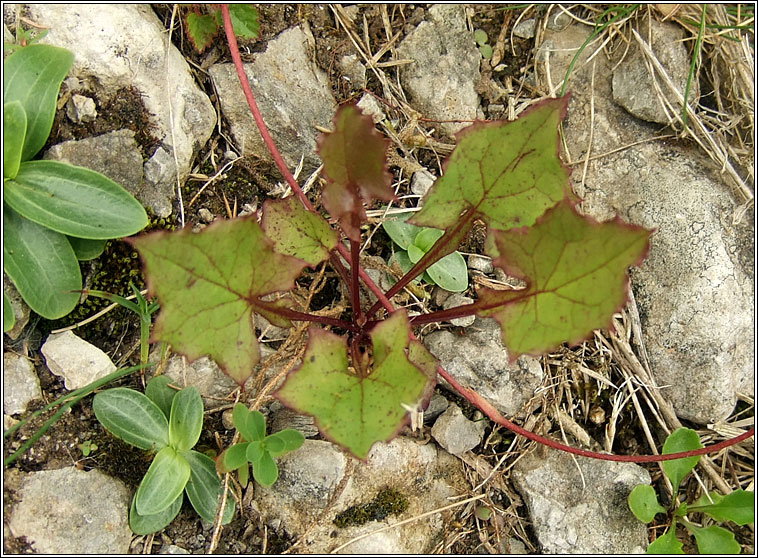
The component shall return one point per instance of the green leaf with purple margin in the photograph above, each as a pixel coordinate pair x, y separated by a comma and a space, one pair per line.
575, 269
354, 157
355, 411
210, 283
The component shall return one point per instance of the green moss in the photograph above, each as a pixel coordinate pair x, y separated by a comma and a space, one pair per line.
388, 501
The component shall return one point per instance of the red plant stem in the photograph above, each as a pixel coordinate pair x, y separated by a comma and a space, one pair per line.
277, 156
470, 395
355, 291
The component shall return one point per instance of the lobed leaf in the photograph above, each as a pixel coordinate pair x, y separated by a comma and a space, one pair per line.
575, 268
505, 173
210, 283
244, 20
297, 232
351, 410
163, 483
131, 416
186, 422
739, 506
681, 439
74, 201
643, 502
201, 29
204, 488
714, 540
355, 169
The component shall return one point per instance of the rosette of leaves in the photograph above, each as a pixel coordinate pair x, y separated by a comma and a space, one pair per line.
55, 214
167, 422
450, 272
359, 384
737, 507
257, 448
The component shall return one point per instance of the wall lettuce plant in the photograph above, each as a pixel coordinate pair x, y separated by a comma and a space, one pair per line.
167, 422
738, 507
55, 214
359, 379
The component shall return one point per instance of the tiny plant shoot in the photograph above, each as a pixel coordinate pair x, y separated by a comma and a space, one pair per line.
356, 379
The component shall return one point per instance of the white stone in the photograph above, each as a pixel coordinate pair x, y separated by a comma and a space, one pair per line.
80, 109
421, 181
20, 383
77, 361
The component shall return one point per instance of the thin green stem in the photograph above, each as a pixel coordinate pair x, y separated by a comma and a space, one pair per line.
693, 65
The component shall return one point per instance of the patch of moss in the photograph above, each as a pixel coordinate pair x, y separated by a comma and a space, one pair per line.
388, 501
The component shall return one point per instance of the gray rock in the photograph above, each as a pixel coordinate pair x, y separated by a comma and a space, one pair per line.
81, 109
525, 29
369, 105
421, 181
633, 85
455, 432
354, 70
437, 405
558, 20
281, 418
78, 362
441, 82
317, 475
115, 154
120, 45
20, 309
457, 299
293, 95
479, 360
480, 263
585, 512
20, 383
695, 290
214, 386
68, 511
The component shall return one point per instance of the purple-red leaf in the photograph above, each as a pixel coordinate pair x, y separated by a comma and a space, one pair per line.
210, 283
355, 168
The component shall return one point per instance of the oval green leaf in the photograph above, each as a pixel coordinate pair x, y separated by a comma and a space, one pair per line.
33, 75
86, 248
643, 502
255, 451
290, 441
14, 131
739, 506
666, 544
163, 483
235, 457
401, 232
204, 488
186, 422
450, 273
415, 253
146, 524
273, 445
265, 470
426, 238
42, 265
159, 392
131, 416
714, 540
9, 318
681, 439
244, 20
74, 201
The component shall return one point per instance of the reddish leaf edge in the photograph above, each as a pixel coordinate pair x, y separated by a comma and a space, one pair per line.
478, 401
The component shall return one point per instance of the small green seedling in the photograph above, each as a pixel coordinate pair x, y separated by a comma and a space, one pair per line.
202, 28
738, 506
257, 448
142, 308
167, 422
450, 272
87, 447
55, 214
480, 36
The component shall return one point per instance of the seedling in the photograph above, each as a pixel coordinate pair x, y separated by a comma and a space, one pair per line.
55, 214
480, 36
87, 447
168, 423
450, 272
257, 448
739, 506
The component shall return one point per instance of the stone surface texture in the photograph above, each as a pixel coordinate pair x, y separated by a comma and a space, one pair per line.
79, 363
20, 383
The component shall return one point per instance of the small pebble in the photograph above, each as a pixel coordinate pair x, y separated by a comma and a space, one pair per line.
205, 215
